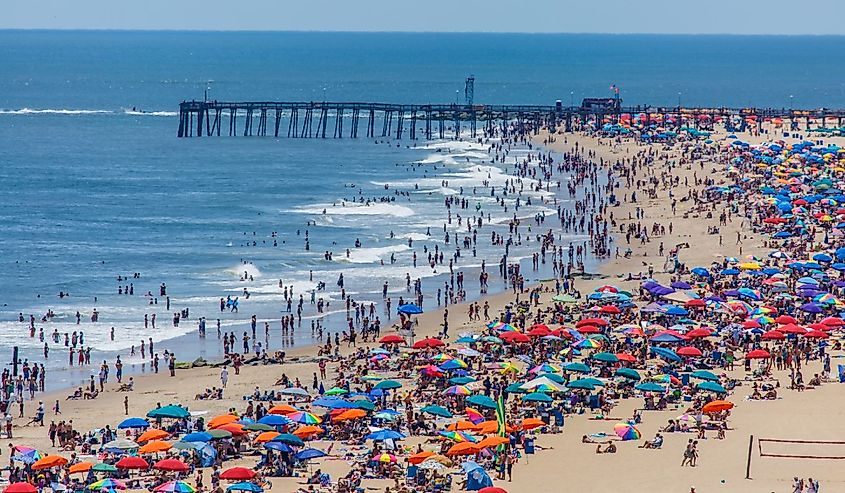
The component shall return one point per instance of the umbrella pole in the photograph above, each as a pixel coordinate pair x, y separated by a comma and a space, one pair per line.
748, 462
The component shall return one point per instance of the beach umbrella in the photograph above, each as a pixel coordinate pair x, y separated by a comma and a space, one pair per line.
277, 419
295, 391
598, 322
588, 329
152, 434
197, 436
437, 411
493, 441
171, 465
170, 411
175, 487
664, 353
705, 375
107, 484
420, 457
49, 461
458, 436
626, 431
103, 467
461, 380
492, 489
266, 436
282, 409
80, 467
27, 455
382, 435
20, 487
699, 333
304, 418
515, 338
309, 453
336, 391
457, 390
387, 385
237, 474
717, 406
576, 367
628, 373
221, 433
536, 397
410, 309
629, 358
392, 339
606, 357
650, 387
384, 458
289, 439
773, 335
121, 444
711, 387
133, 423
132, 462
428, 343
432, 465
258, 427
154, 447
278, 446
482, 401
245, 486
530, 424
758, 354
516, 388
350, 414
463, 448
689, 352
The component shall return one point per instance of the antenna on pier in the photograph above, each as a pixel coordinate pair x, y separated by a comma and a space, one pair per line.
469, 90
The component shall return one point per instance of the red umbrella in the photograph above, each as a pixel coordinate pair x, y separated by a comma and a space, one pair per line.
833, 322
786, 319
592, 321
237, 473
758, 354
514, 337
696, 303
539, 331
689, 351
392, 339
562, 332
588, 329
626, 357
427, 343
171, 465
20, 488
773, 335
791, 329
698, 333
816, 334
610, 309
821, 327
132, 462
751, 324
492, 489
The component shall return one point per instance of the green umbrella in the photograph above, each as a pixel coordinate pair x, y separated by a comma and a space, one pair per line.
103, 467
606, 357
565, 298
461, 380
180, 445
336, 391
515, 388
387, 385
258, 427
577, 367
650, 387
492, 339
437, 411
366, 405
705, 375
554, 377
481, 400
582, 383
628, 373
536, 397
711, 387
220, 434
289, 439
171, 411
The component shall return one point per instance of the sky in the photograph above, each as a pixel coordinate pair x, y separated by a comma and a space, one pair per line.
549, 16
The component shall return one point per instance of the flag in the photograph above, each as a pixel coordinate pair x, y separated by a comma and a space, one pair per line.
500, 419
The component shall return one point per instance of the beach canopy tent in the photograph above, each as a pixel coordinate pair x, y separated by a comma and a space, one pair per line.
476, 477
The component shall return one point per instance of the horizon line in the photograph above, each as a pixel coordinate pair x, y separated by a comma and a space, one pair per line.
335, 31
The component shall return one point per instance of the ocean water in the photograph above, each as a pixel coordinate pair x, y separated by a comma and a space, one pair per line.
95, 184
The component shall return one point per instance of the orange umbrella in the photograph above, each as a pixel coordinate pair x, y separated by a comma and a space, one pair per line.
154, 447
463, 448
224, 419
461, 425
80, 467
492, 426
282, 409
267, 436
717, 406
234, 428
531, 423
493, 441
49, 461
307, 430
350, 414
152, 434
418, 458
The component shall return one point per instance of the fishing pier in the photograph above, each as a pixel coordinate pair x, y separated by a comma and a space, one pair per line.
344, 119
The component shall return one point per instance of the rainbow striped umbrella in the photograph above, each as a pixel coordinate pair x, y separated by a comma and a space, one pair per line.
107, 484
626, 431
459, 436
441, 357
588, 344
546, 368
175, 487
457, 390
305, 418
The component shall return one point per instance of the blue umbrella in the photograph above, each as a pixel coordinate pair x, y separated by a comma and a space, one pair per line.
676, 310
666, 337
198, 436
536, 397
481, 400
410, 309
730, 272
134, 423
382, 435
650, 387
309, 453
245, 486
333, 403
712, 387
664, 353
705, 375
278, 446
275, 420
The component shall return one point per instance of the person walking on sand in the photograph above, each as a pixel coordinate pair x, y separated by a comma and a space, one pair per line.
126, 405
687, 453
224, 376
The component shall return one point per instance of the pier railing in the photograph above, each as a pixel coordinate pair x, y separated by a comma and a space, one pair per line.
298, 119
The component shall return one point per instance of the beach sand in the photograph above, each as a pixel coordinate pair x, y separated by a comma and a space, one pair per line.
562, 462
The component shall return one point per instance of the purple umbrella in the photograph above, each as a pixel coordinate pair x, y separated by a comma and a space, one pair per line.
810, 308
